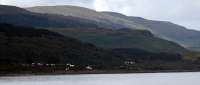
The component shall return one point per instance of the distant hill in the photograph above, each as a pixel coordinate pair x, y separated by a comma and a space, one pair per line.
103, 40
167, 30
92, 31
179, 34
18, 16
26, 45
12, 10
85, 13
122, 38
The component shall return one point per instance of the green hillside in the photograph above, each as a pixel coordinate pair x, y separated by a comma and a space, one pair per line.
25, 45
165, 30
122, 38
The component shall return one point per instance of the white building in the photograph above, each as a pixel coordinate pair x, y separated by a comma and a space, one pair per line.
88, 68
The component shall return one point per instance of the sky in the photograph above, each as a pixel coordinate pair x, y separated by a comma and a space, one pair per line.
182, 12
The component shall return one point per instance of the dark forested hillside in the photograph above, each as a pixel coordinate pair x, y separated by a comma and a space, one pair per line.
29, 50
25, 45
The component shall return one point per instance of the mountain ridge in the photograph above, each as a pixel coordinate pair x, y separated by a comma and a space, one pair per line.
86, 14
163, 29
26, 18
105, 37
169, 31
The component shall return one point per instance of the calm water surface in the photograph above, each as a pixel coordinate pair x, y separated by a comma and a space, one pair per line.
107, 79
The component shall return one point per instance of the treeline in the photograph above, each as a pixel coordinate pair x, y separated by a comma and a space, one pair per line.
26, 49
25, 45
145, 56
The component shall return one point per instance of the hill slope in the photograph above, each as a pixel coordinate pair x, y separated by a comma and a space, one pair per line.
102, 37
22, 17
85, 13
187, 38
167, 30
25, 45
122, 38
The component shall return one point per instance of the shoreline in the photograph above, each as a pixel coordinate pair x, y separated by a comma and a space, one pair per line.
92, 72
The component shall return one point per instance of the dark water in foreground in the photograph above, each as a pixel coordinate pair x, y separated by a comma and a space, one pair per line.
107, 79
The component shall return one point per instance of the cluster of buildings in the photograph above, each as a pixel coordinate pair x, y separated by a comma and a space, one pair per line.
68, 67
